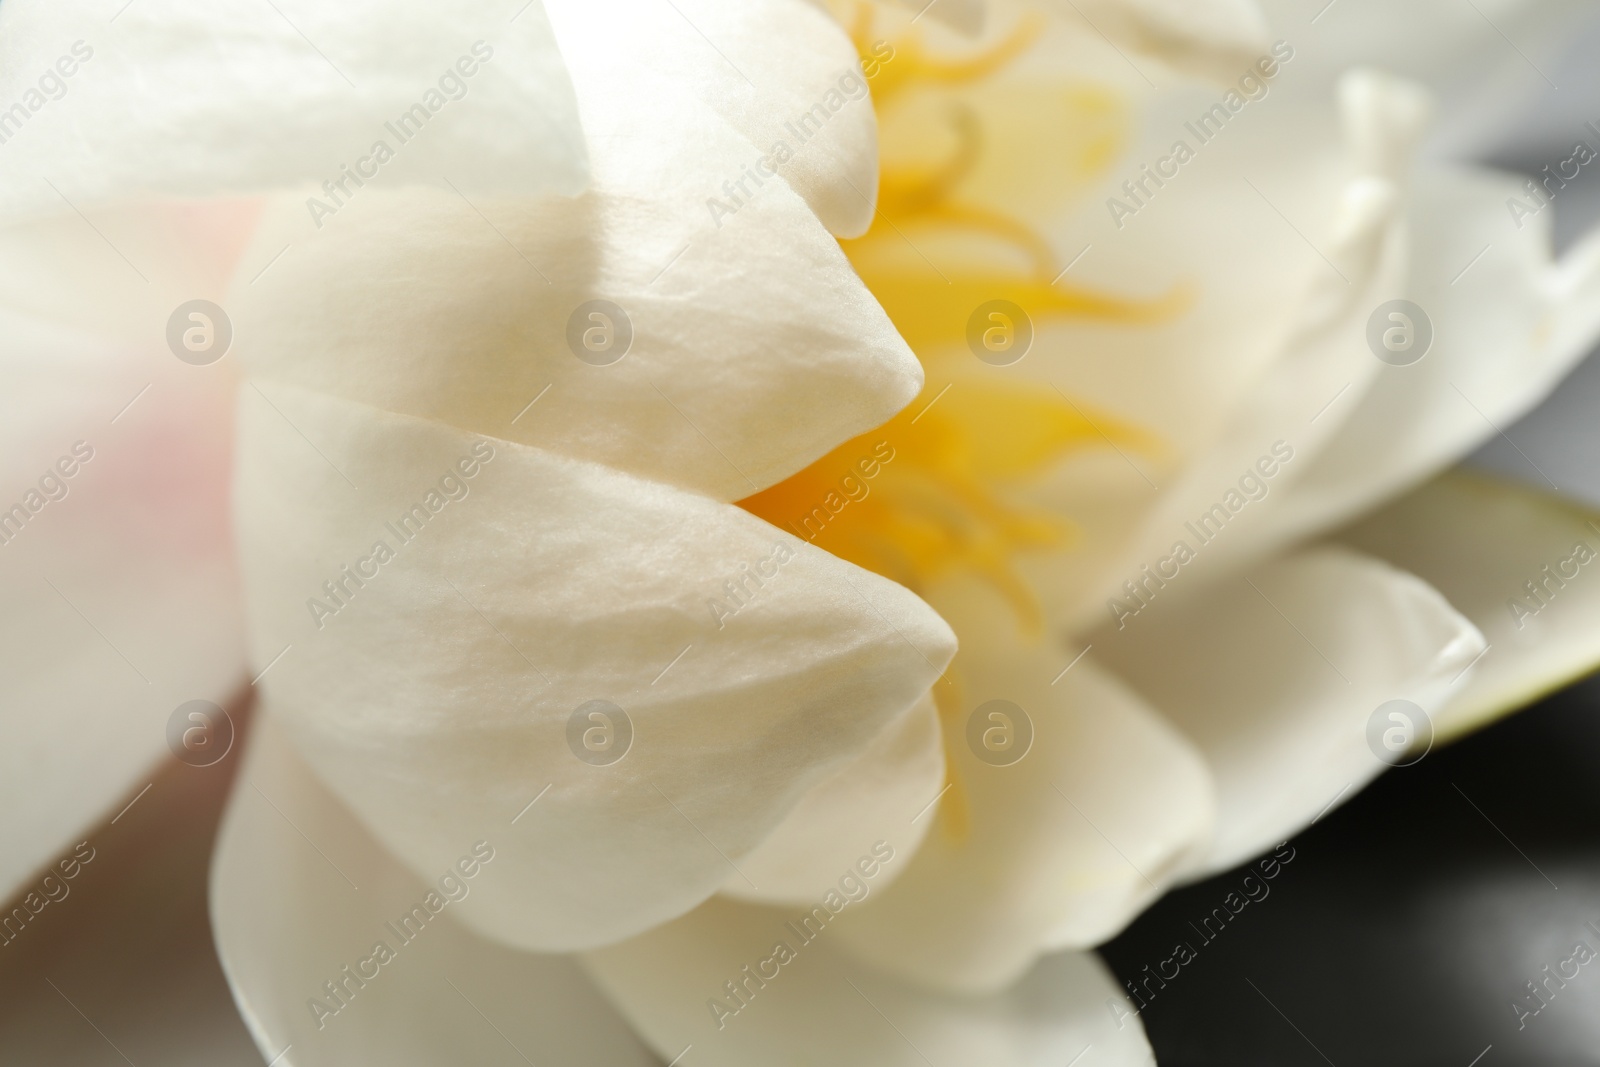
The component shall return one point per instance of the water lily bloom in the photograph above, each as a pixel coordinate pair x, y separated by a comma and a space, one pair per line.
756, 533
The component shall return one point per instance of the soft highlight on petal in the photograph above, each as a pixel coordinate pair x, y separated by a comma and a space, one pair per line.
781, 72
451, 604
755, 348
292, 90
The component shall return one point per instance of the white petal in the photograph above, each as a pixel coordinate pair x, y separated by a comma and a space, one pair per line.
1508, 325
733, 381
1259, 359
755, 348
441, 697
120, 593
895, 778
777, 71
823, 1008
1275, 675
1060, 849
1480, 542
300, 892
175, 99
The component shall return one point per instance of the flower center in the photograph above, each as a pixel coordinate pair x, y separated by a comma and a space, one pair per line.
917, 499
921, 497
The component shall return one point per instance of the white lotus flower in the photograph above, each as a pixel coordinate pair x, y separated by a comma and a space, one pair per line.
595, 592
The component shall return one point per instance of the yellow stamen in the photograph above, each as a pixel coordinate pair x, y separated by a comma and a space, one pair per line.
921, 497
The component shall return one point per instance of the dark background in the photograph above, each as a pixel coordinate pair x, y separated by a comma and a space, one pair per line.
1408, 920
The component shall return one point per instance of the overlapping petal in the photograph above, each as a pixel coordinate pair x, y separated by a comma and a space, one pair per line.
449, 603
615, 571
117, 102
301, 896
1273, 258
753, 350
1507, 322
1057, 850
819, 1006
1276, 674
779, 72
1321, 353
1516, 562
896, 778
